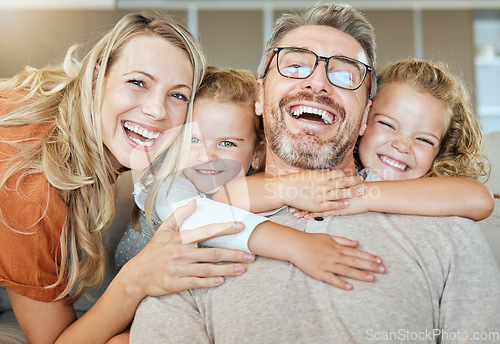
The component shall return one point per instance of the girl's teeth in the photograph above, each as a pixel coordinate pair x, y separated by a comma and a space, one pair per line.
393, 163
208, 171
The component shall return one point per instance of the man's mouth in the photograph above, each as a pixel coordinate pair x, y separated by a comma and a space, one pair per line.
312, 114
394, 163
140, 135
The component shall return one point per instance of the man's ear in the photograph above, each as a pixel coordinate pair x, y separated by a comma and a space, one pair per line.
259, 104
365, 118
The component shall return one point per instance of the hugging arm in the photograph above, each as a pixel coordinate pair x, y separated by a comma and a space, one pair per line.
321, 256
432, 196
308, 190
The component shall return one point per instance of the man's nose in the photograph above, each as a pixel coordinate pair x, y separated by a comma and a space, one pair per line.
318, 81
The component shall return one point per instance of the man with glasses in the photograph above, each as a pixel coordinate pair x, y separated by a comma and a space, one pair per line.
442, 282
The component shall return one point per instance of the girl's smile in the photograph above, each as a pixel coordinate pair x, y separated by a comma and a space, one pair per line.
404, 131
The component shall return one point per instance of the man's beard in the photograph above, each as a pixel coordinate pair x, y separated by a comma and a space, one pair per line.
304, 149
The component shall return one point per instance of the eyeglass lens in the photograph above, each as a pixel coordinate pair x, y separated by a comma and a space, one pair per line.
300, 64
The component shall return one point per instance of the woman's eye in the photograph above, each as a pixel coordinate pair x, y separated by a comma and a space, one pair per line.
227, 144
180, 96
137, 83
195, 140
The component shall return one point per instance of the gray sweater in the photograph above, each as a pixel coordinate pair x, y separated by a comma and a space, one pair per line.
441, 279
440, 275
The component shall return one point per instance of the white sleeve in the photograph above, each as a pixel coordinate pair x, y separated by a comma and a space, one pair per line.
181, 192
207, 212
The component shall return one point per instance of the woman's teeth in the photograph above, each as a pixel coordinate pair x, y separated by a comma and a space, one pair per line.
327, 117
147, 138
393, 163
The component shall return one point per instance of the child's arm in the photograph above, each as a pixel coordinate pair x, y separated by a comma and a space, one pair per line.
319, 255
433, 196
308, 190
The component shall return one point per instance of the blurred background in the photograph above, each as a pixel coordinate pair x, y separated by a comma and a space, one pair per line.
464, 34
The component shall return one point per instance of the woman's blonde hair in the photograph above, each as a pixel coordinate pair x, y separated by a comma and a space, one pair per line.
461, 149
72, 155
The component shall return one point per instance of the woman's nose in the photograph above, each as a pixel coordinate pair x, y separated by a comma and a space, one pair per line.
154, 107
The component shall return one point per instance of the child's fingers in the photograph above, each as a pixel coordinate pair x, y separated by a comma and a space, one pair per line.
345, 193
360, 260
336, 281
311, 216
345, 182
210, 231
345, 242
332, 206
354, 273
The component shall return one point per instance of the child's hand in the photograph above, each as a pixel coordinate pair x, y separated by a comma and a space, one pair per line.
324, 257
318, 191
297, 213
355, 206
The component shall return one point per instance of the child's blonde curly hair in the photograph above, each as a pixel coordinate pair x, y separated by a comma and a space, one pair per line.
461, 150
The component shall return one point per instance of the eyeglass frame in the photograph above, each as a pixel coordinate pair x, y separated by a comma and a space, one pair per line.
277, 50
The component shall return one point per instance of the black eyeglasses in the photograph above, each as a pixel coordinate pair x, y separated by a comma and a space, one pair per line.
298, 63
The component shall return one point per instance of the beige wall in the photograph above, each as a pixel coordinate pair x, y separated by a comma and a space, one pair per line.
232, 38
38, 38
448, 36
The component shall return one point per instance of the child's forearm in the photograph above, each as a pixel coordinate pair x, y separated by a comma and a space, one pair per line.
434, 196
319, 255
255, 193
272, 240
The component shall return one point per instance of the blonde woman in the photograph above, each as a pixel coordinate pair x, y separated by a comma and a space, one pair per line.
66, 133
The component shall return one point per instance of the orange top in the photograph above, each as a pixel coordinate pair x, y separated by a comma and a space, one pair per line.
29, 261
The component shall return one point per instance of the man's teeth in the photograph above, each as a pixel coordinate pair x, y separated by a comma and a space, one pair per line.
141, 131
326, 116
393, 163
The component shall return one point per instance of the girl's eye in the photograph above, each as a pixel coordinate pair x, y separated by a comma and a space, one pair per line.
427, 141
137, 83
180, 96
195, 140
227, 144
386, 124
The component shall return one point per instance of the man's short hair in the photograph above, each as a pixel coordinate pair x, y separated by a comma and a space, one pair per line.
339, 16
